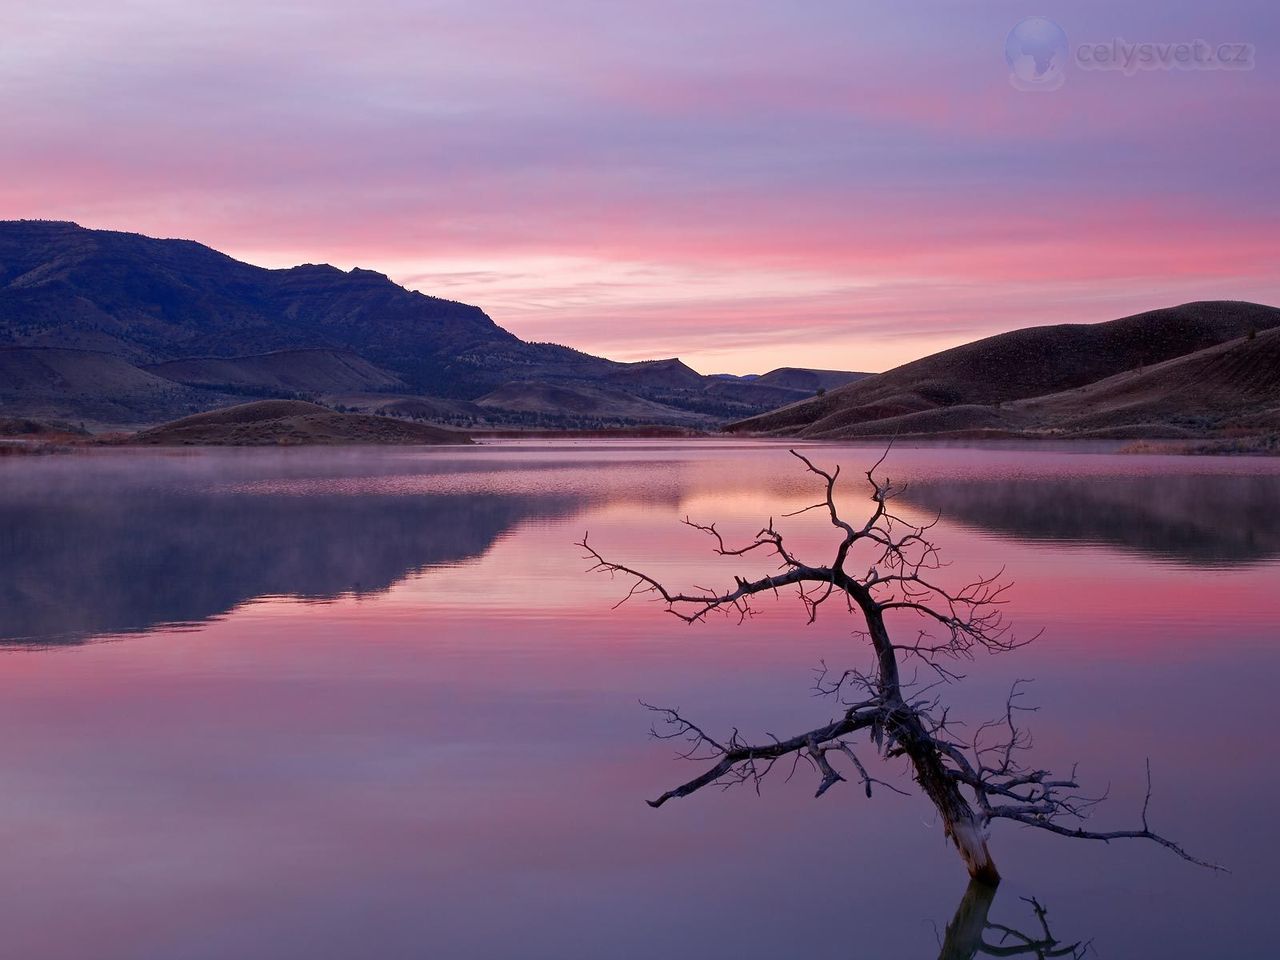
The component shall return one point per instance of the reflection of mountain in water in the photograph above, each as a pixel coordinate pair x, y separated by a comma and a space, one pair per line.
131, 559
1204, 519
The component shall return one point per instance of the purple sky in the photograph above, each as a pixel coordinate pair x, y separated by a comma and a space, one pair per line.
742, 184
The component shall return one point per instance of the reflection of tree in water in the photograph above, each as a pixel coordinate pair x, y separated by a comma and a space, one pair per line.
971, 933
972, 781
1224, 519
74, 567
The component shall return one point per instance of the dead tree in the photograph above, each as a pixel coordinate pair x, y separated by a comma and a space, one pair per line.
971, 782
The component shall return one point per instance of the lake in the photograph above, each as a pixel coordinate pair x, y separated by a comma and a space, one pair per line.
368, 702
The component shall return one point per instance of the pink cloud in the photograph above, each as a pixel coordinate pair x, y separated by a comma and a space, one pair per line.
721, 183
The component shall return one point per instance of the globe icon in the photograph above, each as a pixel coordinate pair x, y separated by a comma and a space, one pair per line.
1036, 51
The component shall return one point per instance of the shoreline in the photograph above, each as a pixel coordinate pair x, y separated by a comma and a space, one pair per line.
1263, 446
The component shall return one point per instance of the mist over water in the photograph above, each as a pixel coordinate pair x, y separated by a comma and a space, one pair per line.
369, 703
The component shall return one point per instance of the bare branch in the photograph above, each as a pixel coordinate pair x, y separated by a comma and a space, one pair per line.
1044, 815
971, 783
738, 763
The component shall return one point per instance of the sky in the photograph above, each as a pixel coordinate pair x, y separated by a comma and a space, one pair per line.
742, 184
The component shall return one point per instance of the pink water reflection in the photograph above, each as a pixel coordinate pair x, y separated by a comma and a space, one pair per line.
455, 763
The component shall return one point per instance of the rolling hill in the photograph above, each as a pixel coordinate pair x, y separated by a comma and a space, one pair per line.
669, 374
977, 386
286, 422
283, 371
600, 403
807, 380
1230, 386
48, 382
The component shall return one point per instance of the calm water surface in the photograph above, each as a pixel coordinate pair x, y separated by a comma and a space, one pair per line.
333, 704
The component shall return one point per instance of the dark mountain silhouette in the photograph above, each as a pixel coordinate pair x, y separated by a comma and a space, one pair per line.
975, 387
659, 374
150, 300
200, 327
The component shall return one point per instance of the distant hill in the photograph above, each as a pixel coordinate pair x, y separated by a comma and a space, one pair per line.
289, 422
742, 390
968, 388
198, 328
659, 374
809, 380
90, 385
283, 371
417, 408
782, 386
582, 400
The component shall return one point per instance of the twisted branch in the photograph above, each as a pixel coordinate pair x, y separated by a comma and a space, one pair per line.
902, 568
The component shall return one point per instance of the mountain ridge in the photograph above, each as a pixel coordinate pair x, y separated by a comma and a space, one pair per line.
183, 310
119, 329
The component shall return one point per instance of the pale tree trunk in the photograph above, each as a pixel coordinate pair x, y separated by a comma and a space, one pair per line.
971, 841
960, 823
962, 826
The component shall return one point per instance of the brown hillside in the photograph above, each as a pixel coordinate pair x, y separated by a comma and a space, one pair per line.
580, 400
1231, 385
1018, 365
289, 422
60, 383
292, 371
963, 419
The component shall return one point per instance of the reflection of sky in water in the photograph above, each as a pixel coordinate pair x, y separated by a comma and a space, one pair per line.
450, 759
